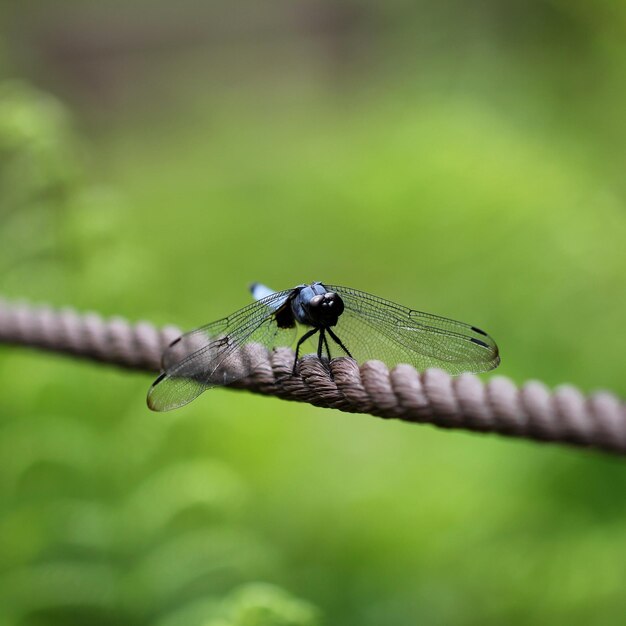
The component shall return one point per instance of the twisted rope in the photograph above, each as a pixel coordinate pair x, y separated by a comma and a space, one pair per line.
498, 406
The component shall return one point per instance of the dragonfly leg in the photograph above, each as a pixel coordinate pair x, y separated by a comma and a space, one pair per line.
327, 348
323, 342
320, 344
300, 342
338, 342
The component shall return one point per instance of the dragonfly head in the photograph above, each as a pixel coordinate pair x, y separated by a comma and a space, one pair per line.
325, 309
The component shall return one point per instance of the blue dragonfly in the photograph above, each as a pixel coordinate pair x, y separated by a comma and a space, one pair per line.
343, 321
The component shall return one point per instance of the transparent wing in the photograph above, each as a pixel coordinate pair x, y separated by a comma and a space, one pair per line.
373, 328
219, 353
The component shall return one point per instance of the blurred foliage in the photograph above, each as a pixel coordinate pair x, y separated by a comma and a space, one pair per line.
459, 158
250, 605
155, 538
37, 175
49, 212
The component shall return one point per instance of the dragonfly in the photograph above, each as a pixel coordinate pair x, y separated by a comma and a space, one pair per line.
329, 320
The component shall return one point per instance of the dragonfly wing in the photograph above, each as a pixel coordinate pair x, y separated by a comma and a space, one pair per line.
373, 328
219, 353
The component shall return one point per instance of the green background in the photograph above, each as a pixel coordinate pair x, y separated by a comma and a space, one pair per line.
465, 159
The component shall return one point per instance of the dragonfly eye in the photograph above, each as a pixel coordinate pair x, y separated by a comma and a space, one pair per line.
326, 308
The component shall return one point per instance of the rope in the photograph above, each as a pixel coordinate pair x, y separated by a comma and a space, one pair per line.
531, 411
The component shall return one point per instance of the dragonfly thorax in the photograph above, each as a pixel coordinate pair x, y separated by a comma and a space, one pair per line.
314, 306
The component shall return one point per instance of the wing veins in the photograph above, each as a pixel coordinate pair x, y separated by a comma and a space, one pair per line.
402, 322
379, 310
253, 324
257, 312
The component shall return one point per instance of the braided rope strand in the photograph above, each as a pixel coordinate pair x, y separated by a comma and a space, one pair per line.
531, 411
